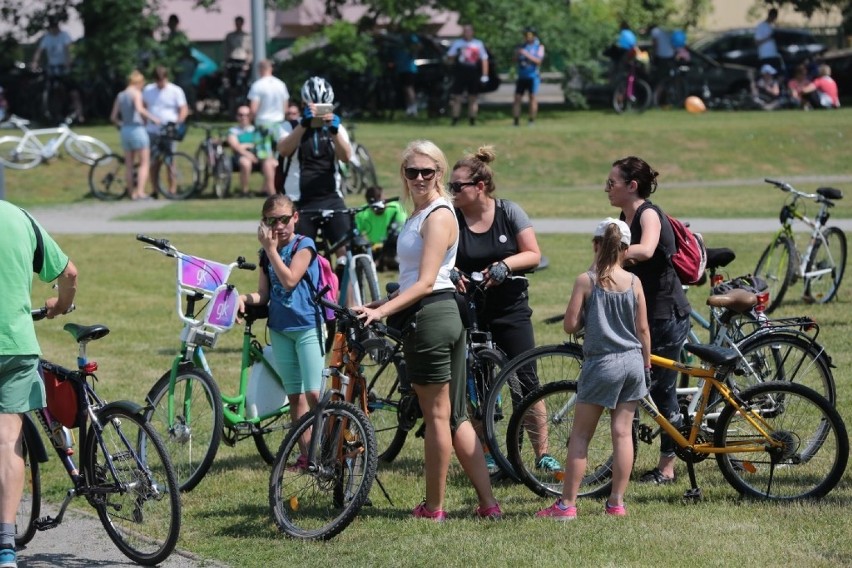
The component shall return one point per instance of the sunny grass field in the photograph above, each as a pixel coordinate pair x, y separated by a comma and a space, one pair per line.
227, 517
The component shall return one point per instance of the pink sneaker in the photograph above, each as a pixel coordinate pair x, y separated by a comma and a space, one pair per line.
557, 513
301, 463
492, 513
615, 510
421, 512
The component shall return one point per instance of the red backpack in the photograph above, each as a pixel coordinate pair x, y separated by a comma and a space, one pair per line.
690, 257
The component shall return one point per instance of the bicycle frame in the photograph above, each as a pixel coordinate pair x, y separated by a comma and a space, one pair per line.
61, 133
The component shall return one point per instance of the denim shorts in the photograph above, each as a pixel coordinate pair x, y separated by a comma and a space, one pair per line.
134, 137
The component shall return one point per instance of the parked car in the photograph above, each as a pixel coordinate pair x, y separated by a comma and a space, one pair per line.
738, 46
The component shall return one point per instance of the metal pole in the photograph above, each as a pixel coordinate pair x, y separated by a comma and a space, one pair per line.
258, 34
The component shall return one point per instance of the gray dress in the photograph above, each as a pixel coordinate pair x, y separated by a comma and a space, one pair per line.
613, 367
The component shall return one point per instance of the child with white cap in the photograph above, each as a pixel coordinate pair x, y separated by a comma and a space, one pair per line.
609, 303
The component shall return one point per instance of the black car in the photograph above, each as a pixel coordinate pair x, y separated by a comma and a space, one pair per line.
738, 46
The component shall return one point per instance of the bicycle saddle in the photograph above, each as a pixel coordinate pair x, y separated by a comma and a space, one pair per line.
736, 300
830, 193
719, 257
716, 355
86, 332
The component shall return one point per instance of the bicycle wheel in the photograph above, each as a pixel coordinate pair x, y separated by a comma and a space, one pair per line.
483, 368
270, 434
367, 280
30, 506
520, 376
813, 451
672, 93
777, 267
18, 156
134, 488
383, 369
86, 149
638, 102
318, 501
222, 177
363, 169
826, 266
205, 167
180, 169
784, 356
192, 437
107, 179
553, 404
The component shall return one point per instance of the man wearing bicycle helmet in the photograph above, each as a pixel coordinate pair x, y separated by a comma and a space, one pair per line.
25, 248
312, 179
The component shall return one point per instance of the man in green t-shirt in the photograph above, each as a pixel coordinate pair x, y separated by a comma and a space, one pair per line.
25, 248
381, 224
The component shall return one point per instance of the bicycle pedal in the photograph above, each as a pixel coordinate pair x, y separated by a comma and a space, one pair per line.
693, 495
45, 523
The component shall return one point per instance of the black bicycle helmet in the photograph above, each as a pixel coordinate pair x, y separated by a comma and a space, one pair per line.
317, 90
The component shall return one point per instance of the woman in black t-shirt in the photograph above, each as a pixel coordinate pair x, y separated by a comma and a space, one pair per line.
496, 238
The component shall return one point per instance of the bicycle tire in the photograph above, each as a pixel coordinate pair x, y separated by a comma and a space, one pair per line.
184, 169
202, 162
382, 370
785, 356
366, 168
191, 448
815, 451
86, 149
140, 510
270, 435
777, 266
483, 370
319, 501
642, 96
107, 179
29, 507
367, 280
222, 176
672, 93
551, 363
16, 156
829, 253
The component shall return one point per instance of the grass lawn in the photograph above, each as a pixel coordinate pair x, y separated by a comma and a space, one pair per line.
227, 516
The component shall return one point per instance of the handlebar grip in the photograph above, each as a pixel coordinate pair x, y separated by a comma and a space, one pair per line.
39, 314
161, 244
243, 265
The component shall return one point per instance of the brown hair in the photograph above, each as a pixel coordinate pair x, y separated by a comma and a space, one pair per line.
609, 252
638, 170
477, 163
274, 201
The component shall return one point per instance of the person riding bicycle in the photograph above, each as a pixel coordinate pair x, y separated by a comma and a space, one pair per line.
312, 178
56, 44
381, 224
25, 248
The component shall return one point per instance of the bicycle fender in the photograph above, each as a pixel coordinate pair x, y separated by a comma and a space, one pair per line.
125, 405
34, 441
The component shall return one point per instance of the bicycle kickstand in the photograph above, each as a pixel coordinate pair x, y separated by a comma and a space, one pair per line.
693, 494
384, 491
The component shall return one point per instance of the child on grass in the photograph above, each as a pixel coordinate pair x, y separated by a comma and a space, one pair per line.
609, 303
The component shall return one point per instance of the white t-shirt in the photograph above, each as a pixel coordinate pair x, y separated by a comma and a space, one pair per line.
163, 103
54, 46
469, 53
272, 96
663, 42
767, 49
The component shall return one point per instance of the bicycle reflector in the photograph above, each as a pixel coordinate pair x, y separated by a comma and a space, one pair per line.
762, 301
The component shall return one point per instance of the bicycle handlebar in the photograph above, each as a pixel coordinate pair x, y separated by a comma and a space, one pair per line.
784, 186
41, 313
326, 214
162, 244
345, 313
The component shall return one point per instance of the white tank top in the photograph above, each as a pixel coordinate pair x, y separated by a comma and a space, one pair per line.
410, 250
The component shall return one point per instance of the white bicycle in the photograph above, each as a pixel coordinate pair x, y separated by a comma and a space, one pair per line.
27, 151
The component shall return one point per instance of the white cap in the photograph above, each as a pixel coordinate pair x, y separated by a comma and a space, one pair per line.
622, 226
768, 69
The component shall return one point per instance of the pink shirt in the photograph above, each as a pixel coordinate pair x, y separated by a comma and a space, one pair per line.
827, 85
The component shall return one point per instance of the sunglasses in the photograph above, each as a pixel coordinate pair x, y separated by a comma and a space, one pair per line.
271, 221
458, 186
425, 173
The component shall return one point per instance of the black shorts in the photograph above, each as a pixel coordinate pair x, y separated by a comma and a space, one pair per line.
235, 164
333, 229
405, 79
466, 80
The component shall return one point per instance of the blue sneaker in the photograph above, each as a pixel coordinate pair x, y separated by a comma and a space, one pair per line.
8, 558
548, 464
490, 463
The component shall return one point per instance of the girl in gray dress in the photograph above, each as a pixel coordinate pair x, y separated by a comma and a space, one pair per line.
609, 303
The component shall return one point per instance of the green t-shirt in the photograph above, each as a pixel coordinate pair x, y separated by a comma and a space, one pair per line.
375, 227
17, 247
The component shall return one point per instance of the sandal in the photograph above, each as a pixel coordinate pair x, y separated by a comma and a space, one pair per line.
656, 477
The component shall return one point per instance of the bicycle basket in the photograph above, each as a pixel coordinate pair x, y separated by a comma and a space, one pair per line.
63, 398
222, 309
201, 274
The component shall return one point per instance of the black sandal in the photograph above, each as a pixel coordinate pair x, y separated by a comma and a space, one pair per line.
656, 477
